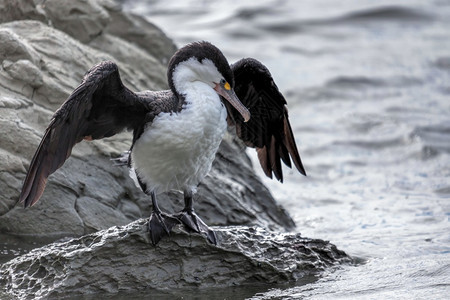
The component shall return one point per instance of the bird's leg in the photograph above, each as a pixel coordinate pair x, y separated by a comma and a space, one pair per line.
159, 224
193, 222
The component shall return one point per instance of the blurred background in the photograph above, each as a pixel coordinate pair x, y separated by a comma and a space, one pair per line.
368, 90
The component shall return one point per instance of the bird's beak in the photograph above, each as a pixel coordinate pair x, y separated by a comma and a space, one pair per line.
228, 93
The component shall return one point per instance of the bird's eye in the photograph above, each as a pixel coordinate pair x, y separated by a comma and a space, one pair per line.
225, 84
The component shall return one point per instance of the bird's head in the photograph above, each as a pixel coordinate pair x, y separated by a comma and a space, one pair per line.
202, 61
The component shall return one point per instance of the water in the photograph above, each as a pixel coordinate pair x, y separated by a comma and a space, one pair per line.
368, 87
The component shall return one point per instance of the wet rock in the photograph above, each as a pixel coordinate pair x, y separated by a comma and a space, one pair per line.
39, 67
122, 259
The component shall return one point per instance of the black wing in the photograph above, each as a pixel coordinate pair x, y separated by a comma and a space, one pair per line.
99, 107
268, 129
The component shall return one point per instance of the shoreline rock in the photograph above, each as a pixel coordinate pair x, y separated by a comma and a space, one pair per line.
122, 259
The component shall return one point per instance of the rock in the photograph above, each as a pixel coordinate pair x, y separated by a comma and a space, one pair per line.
39, 67
122, 259
20, 10
25, 71
136, 30
90, 19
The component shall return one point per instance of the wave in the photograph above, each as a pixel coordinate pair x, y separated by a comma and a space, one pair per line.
395, 14
435, 137
355, 81
442, 63
363, 81
389, 13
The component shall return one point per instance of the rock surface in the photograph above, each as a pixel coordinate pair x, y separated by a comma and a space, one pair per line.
122, 259
40, 65
98, 23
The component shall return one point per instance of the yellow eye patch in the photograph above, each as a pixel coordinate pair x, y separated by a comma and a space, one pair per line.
227, 86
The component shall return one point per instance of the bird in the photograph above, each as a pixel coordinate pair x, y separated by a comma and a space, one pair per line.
176, 132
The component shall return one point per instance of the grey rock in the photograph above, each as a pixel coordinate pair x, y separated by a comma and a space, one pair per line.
89, 20
136, 30
95, 214
83, 20
122, 259
39, 67
25, 71
20, 10
14, 48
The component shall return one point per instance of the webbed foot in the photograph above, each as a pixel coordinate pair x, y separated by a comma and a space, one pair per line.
193, 222
160, 224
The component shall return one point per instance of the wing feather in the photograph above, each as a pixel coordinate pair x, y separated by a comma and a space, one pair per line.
100, 106
268, 129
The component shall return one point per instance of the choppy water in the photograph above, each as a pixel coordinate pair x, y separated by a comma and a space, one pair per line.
368, 87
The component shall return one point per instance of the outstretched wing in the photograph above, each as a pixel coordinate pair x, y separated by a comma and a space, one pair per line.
268, 129
99, 107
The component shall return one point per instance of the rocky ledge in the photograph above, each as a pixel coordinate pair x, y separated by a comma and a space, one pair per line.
122, 259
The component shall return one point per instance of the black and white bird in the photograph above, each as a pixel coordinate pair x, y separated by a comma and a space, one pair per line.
176, 132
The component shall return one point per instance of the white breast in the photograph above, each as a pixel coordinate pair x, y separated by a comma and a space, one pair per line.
176, 150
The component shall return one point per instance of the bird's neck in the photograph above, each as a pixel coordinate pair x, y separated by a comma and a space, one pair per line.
188, 73
203, 99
